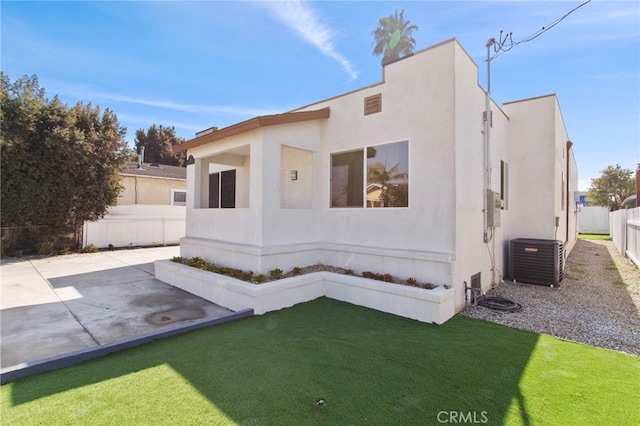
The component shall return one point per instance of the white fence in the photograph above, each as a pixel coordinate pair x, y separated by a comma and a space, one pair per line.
593, 220
625, 232
137, 225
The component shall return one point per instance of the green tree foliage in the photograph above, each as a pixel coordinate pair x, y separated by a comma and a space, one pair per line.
393, 194
612, 187
393, 38
60, 165
157, 142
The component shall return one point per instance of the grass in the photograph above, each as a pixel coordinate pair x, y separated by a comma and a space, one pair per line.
594, 237
370, 368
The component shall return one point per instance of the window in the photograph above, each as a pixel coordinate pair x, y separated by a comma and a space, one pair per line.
387, 177
222, 189
178, 197
347, 178
504, 184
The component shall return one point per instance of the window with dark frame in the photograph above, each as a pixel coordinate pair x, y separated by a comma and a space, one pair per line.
222, 189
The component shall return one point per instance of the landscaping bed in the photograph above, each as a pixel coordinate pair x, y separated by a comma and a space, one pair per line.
277, 274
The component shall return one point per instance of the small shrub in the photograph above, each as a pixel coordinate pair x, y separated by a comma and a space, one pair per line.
196, 262
296, 271
258, 279
247, 276
349, 272
177, 259
90, 249
370, 275
387, 278
411, 281
44, 248
275, 274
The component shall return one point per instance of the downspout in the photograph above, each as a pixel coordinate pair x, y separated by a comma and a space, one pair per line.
566, 240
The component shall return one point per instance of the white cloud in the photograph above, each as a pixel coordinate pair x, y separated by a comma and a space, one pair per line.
306, 22
192, 108
81, 91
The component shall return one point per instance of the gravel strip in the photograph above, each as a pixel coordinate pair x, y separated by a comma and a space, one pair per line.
597, 302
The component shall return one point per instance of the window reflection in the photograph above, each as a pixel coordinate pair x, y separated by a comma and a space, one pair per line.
388, 175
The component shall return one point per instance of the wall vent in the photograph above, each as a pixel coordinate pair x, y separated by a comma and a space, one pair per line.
536, 261
373, 104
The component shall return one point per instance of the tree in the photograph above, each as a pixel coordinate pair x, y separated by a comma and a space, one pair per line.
393, 37
157, 142
612, 187
60, 165
393, 194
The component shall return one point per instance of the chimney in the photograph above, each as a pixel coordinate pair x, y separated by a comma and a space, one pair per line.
141, 157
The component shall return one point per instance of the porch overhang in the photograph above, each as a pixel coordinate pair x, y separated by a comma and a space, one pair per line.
251, 124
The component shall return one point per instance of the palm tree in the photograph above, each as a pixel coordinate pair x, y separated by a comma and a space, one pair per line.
393, 38
393, 194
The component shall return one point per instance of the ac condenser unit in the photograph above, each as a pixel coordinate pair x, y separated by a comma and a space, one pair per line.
535, 261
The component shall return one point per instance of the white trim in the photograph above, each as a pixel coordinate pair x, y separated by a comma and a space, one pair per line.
173, 192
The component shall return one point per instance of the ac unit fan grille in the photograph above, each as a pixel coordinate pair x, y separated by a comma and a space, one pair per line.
537, 261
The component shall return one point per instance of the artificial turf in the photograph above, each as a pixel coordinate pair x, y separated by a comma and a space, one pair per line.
369, 367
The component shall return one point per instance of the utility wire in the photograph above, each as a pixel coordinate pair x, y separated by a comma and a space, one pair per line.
505, 43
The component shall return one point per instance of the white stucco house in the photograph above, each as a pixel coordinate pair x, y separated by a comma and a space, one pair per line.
391, 178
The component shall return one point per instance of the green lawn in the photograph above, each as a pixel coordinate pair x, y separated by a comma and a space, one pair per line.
594, 237
370, 367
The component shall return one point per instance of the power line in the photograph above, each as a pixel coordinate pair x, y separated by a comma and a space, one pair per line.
505, 42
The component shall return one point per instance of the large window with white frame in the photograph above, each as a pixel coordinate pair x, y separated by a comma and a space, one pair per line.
384, 182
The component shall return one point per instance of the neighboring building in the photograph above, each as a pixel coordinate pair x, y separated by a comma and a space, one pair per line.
153, 183
150, 211
389, 178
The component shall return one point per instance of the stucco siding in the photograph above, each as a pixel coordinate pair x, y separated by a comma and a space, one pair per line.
148, 190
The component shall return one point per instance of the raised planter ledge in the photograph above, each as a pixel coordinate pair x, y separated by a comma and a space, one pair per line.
434, 306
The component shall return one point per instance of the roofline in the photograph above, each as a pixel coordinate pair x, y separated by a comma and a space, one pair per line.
251, 124
530, 99
380, 83
152, 177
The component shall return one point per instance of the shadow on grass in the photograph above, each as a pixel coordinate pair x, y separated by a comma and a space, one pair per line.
368, 366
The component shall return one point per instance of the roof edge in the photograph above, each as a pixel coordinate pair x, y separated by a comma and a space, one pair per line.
251, 124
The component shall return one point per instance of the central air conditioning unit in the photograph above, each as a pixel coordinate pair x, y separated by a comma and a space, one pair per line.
535, 261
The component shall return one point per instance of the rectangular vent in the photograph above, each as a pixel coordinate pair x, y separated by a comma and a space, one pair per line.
373, 104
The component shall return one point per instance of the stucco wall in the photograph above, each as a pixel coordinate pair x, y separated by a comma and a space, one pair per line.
433, 101
148, 190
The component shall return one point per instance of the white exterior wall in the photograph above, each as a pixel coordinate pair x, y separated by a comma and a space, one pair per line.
472, 255
265, 235
433, 101
534, 180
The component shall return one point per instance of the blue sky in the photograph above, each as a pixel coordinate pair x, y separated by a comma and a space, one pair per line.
193, 65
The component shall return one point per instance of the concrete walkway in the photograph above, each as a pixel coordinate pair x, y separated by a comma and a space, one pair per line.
56, 305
